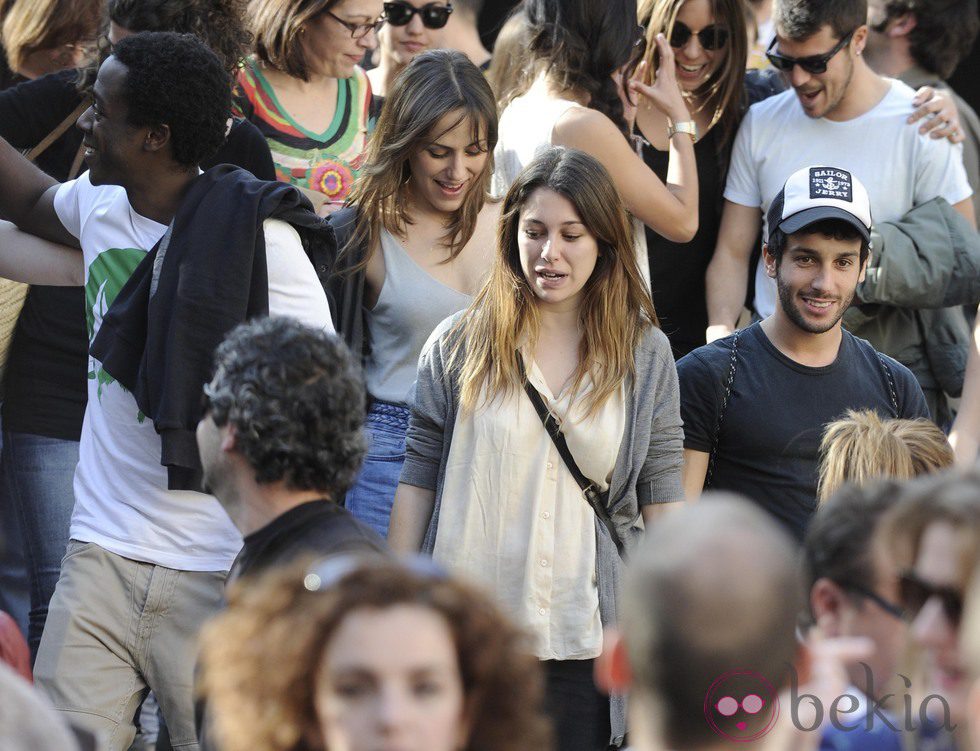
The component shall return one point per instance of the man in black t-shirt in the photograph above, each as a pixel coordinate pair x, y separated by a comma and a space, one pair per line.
282, 440
755, 403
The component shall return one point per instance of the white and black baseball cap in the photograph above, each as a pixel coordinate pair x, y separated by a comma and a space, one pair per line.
813, 194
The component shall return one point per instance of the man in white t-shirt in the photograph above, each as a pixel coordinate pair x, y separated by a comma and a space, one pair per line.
839, 112
145, 565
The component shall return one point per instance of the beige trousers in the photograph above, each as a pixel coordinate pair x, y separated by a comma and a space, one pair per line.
117, 628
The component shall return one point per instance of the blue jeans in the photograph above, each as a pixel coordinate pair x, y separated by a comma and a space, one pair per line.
373, 493
14, 598
37, 480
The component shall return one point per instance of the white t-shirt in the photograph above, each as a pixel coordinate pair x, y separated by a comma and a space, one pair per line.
900, 168
121, 497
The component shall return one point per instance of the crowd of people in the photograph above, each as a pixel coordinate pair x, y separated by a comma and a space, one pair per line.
368, 388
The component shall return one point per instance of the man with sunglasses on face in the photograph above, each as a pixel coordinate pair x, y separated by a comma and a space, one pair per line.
853, 592
840, 112
932, 536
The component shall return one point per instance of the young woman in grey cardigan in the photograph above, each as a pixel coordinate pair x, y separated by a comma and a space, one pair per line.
484, 488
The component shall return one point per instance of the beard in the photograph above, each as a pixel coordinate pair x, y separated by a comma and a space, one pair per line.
788, 301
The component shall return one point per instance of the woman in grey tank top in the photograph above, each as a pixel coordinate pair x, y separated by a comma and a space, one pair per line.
417, 237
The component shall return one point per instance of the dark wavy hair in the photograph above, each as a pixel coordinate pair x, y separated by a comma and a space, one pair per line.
261, 659
175, 80
583, 42
220, 24
944, 32
800, 19
296, 401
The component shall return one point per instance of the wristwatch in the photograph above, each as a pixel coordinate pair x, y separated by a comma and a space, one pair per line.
687, 126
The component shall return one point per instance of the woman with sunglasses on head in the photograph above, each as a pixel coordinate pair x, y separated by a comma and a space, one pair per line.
563, 332
364, 655
305, 91
411, 27
413, 246
579, 93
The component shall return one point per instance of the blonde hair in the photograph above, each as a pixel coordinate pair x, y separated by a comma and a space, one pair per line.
722, 94
509, 59
432, 85
862, 446
615, 310
33, 25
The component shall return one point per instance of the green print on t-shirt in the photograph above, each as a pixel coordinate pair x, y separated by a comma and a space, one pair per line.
106, 277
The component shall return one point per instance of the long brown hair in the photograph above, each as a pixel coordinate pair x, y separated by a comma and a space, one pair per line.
722, 94
616, 306
434, 84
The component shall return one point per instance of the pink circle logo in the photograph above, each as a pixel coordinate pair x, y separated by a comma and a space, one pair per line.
741, 706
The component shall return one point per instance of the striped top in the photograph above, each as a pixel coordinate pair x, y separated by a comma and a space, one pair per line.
326, 162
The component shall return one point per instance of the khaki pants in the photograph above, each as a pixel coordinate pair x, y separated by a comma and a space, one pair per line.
117, 628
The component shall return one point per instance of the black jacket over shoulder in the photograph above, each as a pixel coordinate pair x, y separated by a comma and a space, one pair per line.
206, 275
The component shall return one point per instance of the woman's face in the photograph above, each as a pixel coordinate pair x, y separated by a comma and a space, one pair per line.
390, 681
936, 564
329, 48
558, 253
695, 64
445, 170
402, 43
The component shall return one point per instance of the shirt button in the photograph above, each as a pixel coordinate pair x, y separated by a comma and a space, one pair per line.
544, 562
541, 611
549, 465
546, 514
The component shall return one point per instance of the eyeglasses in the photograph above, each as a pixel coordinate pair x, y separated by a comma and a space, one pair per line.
892, 608
433, 15
815, 64
357, 30
917, 592
712, 37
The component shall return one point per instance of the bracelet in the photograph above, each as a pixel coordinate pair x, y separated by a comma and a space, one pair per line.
688, 126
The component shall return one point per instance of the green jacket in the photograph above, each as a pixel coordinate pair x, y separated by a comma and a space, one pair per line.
923, 268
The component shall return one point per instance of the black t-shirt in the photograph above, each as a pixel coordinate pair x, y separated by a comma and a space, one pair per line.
677, 269
315, 528
768, 444
45, 379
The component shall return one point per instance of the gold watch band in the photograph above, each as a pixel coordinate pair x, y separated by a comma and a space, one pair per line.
688, 126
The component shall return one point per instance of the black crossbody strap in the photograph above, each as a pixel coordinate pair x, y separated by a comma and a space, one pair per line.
592, 494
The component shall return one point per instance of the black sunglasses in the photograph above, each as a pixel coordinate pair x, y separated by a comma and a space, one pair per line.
892, 608
916, 593
433, 15
712, 37
815, 64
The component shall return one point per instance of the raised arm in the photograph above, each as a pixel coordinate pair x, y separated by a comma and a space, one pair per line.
728, 273
671, 209
27, 198
26, 258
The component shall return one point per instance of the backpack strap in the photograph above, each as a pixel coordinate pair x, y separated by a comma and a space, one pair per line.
729, 382
891, 382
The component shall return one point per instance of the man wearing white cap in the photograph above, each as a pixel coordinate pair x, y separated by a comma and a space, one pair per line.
755, 403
